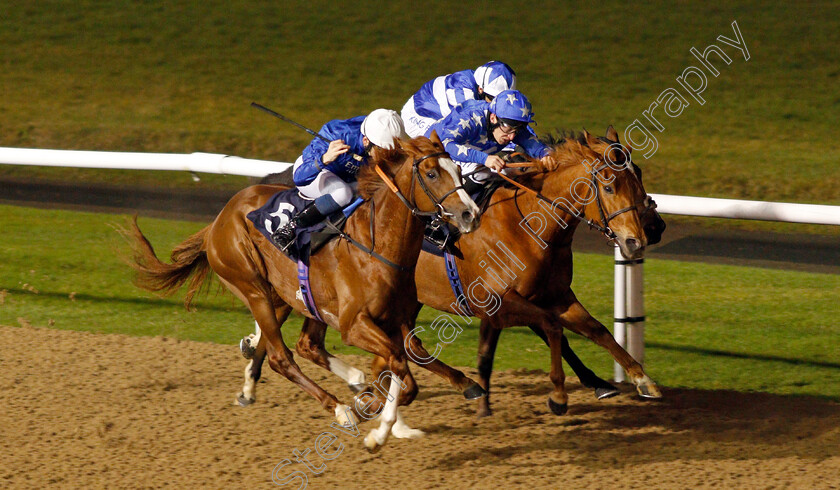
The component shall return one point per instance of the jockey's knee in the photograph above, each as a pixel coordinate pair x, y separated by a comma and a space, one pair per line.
327, 204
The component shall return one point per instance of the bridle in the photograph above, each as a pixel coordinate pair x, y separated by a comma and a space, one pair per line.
433, 218
604, 225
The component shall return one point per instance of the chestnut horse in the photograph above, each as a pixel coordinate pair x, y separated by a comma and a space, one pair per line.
370, 302
536, 290
535, 287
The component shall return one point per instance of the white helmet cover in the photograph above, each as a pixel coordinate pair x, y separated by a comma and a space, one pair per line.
382, 127
494, 77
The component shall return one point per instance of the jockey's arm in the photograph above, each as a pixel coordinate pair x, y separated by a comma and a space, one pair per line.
532, 145
334, 150
461, 88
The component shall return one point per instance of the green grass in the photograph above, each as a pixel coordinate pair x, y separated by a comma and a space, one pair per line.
709, 327
178, 77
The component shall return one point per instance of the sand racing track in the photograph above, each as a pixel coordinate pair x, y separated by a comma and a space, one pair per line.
84, 410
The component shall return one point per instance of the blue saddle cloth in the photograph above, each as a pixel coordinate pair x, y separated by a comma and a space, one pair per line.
281, 207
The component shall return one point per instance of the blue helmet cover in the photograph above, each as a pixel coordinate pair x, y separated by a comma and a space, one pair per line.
513, 105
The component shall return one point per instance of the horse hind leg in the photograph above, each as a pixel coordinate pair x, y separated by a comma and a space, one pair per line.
253, 372
601, 388
259, 297
488, 339
256, 347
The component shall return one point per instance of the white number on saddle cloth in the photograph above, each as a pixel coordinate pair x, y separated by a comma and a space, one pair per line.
284, 212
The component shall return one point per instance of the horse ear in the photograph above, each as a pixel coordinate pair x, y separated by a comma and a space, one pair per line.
612, 134
434, 137
590, 140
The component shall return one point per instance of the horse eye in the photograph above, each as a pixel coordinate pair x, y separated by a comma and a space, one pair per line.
431, 174
608, 189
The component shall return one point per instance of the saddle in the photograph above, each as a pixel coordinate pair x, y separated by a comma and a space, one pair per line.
281, 207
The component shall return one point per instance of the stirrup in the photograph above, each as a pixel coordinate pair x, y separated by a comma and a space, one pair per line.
284, 237
441, 236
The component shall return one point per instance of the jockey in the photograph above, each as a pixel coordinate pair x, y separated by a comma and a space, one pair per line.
475, 130
437, 97
326, 173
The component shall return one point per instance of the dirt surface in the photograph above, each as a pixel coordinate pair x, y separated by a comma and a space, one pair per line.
84, 410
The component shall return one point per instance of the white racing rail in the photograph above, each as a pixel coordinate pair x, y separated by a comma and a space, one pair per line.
211, 163
629, 298
629, 308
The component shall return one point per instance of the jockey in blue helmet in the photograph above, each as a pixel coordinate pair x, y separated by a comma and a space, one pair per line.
437, 97
326, 172
475, 130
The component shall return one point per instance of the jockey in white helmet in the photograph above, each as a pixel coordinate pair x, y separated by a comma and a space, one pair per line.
437, 97
326, 173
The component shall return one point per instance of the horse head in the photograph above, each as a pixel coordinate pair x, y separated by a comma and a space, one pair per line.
652, 221
422, 171
608, 194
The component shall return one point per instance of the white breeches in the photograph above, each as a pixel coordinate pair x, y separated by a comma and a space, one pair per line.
415, 124
327, 183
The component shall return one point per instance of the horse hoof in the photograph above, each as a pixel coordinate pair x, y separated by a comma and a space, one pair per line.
557, 408
474, 391
603, 392
481, 413
357, 388
248, 351
243, 401
649, 391
371, 445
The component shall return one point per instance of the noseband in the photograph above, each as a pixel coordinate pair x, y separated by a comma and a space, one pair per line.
429, 217
604, 225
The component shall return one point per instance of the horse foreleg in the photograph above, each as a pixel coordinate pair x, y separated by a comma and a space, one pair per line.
517, 310
420, 356
400, 430
577, 319
588, 378
487, 340
310, 345
365, 334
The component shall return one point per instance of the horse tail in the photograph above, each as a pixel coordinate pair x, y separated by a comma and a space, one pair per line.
188, 259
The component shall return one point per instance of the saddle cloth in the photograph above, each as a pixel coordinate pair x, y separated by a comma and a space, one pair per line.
280, 209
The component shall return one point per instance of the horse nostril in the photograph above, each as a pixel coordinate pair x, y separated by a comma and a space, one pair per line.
632, 244
467, 216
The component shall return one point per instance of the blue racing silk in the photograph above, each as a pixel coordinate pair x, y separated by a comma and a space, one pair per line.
347, 165
465, 134
437, 97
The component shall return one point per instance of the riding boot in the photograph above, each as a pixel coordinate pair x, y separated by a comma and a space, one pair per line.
472, 187
285, 236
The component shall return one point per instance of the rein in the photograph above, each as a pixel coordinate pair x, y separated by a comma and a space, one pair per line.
603, 227
428, 217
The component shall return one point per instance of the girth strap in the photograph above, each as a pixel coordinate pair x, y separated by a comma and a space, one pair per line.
306, 290
455, 283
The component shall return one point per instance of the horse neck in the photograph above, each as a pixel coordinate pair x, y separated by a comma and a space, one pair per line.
559, 225
397, 233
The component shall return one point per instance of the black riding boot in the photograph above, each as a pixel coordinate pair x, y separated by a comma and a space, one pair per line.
285, 236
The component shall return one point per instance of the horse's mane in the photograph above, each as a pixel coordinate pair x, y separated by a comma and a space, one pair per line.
572, 147
390, 161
